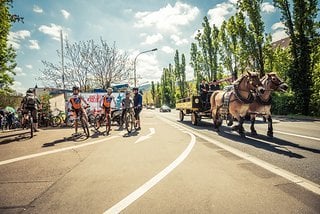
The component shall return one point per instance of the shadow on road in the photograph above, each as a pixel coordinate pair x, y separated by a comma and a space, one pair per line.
15, 137
276, 145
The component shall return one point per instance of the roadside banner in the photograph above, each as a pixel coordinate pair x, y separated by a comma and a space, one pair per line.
94, 98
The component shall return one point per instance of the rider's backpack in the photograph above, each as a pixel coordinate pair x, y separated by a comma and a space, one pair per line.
107, 101
30, 102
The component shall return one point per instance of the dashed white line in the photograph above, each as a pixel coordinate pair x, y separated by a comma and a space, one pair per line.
297, 135
53, 151
309, 185
153, 181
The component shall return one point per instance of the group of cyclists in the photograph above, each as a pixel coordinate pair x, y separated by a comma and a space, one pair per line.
77, 105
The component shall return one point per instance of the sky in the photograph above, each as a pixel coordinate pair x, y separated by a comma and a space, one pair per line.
134, 25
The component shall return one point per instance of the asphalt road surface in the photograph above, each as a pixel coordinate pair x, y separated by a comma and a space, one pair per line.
167, 167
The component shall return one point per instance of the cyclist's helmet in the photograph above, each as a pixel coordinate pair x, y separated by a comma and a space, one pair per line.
109, 90
75, 88
29, 91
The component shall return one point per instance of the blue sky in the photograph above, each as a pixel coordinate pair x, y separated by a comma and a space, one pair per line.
135, 26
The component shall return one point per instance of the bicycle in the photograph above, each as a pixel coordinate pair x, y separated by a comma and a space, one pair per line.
129, 119
80, 119
103, 119
28, 122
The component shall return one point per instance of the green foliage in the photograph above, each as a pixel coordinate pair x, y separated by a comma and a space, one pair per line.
45, 102
283, 103
207, 61
7, 53
300, 20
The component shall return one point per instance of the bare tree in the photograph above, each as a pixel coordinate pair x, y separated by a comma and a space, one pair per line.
108, 64
88, 65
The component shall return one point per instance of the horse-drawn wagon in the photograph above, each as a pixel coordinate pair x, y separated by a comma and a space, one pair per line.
248, 96
195, 107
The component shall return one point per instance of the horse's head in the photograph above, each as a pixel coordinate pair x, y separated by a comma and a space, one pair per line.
275, 82
254, 82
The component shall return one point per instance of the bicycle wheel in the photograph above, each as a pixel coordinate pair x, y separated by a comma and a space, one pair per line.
129, 122
70, 121
98, 120
108, 124
31, 125
85, 127
55, 121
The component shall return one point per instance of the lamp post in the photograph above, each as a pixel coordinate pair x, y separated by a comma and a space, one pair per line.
135, 61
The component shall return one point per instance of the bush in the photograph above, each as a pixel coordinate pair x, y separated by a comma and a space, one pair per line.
283, 103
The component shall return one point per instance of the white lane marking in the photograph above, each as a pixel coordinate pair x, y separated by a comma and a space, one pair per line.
142, 138
297, 135
53, 151
309, 185
117, 208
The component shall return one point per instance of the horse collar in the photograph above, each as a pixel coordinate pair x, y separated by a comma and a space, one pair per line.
240, 97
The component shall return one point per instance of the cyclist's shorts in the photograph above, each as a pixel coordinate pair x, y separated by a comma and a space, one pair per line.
76, 112
137, 113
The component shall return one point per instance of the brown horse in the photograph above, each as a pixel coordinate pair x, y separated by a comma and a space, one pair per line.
235, 103
262, 103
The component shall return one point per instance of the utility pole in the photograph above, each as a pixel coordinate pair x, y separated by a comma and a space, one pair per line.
62, 60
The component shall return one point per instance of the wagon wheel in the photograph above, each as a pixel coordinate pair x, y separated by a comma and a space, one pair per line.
194, 118
181, 115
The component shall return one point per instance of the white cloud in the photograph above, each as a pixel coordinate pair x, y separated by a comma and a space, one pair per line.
278, 35
147, 67
221, 12
178, 41
17, 86
167, 18
52, 30
167, 49
37, 9
65, 14
268, 7
16, 37
152, 39
278, 25
34, 44
29, 66
19, 72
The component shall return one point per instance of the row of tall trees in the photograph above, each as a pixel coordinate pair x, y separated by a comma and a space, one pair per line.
87, 65
241, 44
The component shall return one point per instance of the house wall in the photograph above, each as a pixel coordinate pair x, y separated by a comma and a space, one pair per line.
57, 102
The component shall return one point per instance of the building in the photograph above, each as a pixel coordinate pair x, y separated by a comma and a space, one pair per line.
282, 43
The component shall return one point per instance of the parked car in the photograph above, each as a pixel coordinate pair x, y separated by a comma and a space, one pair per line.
165, 108
152, 107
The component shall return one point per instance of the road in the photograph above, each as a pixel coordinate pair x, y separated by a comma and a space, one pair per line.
168, 167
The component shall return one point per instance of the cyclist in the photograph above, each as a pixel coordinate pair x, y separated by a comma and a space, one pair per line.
126, 103
137, 104
75, 105
105, 102
30, 103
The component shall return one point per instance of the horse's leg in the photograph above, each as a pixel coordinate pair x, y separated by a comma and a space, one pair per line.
230, 120
215, 119
253, 119
241, 129
270, 128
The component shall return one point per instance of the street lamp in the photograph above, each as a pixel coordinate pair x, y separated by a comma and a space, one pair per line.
135, 61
